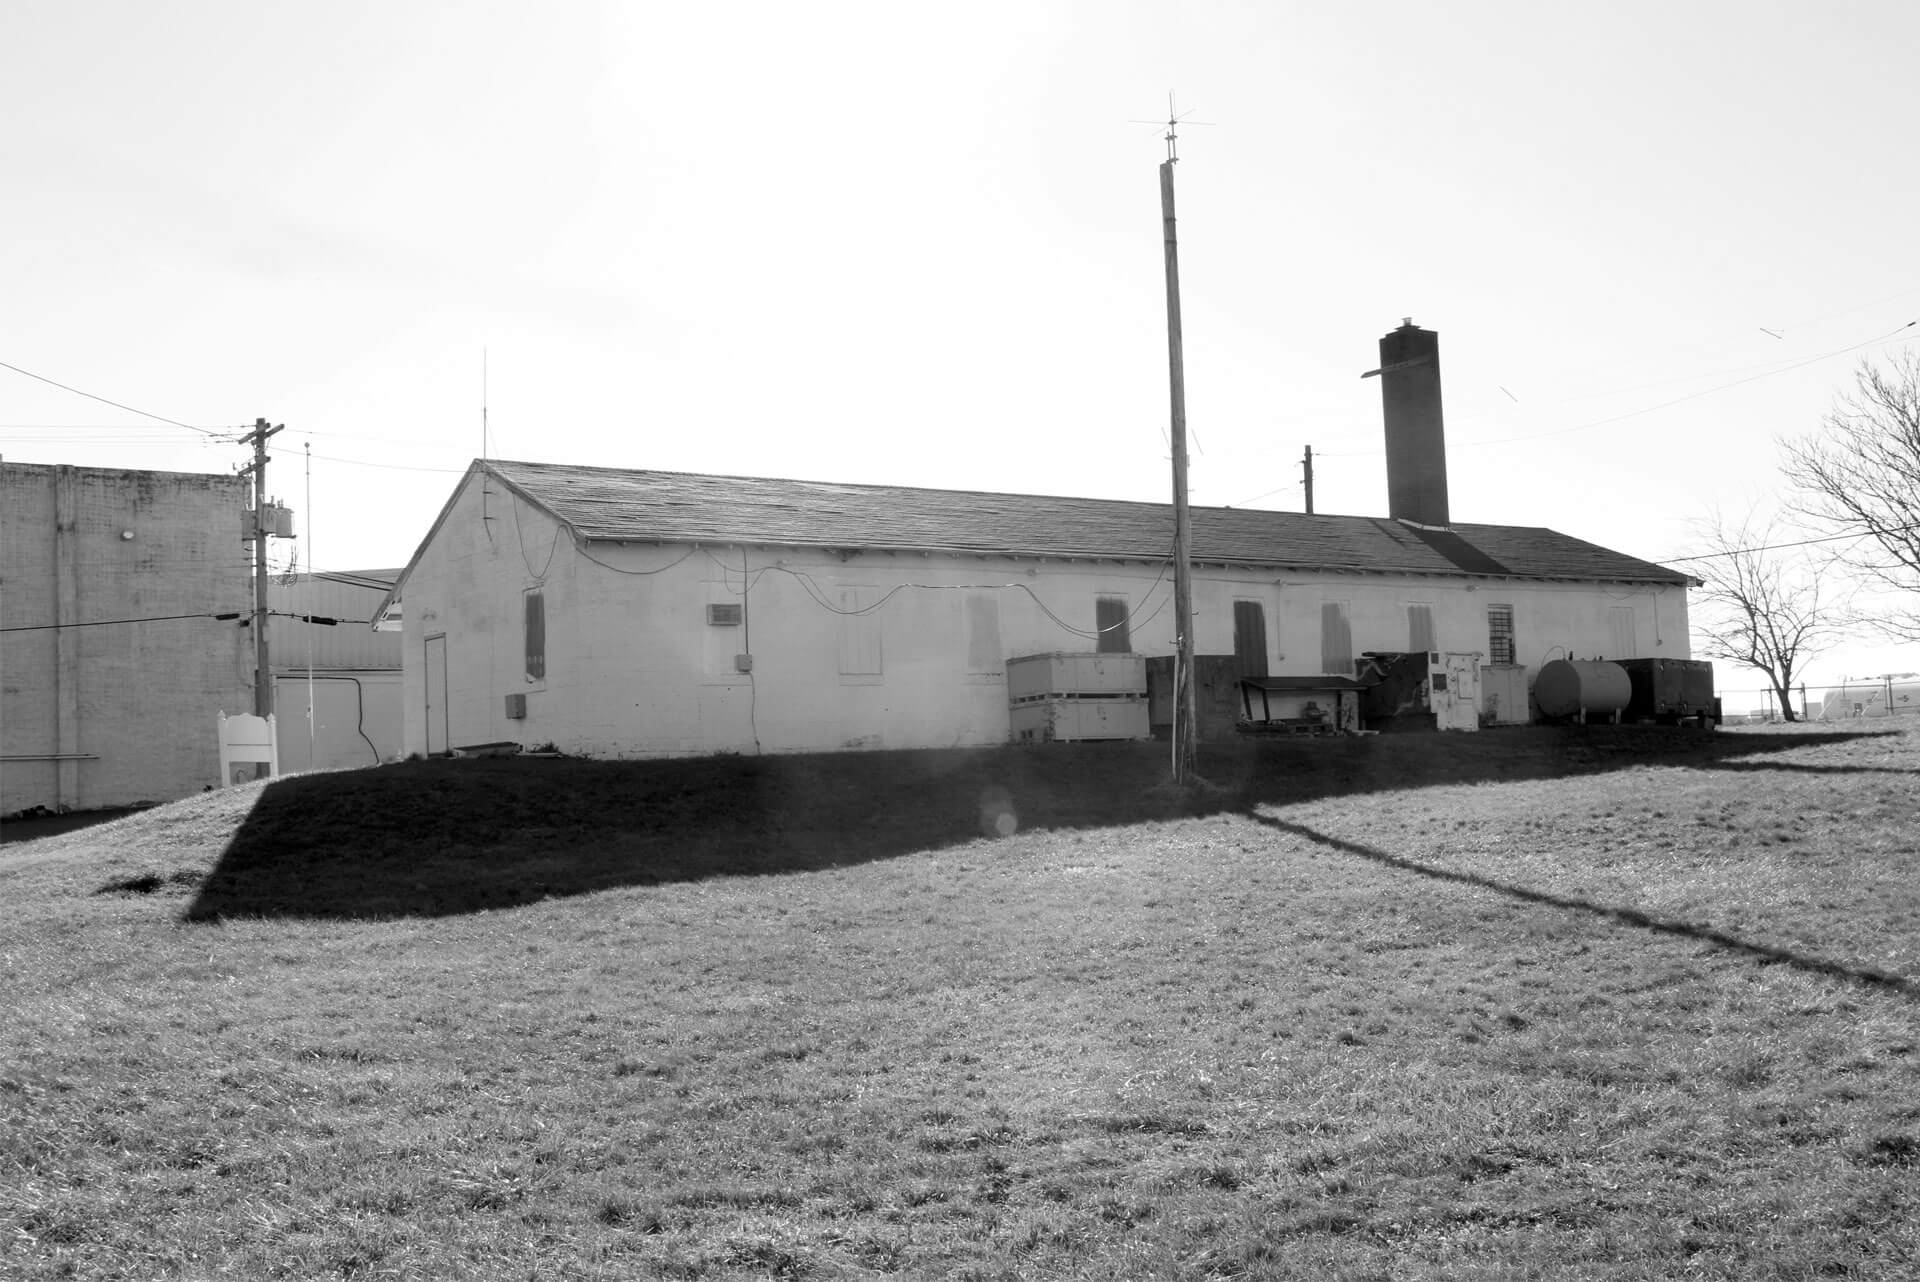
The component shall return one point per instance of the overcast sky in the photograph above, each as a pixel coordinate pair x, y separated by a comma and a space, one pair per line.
921, 245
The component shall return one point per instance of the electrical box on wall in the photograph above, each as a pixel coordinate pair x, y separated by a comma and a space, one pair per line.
516, 707
743, 663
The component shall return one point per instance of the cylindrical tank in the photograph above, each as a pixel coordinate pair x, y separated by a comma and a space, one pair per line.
1569, 686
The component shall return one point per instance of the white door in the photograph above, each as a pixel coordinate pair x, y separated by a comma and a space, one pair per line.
436, 694
1458, 706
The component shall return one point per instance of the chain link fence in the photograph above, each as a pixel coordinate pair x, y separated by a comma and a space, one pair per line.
1871, 698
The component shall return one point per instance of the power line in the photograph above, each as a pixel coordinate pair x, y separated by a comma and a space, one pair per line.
322, 620
391, 467
1692, 396
104, 401
1798, 543
101, 623
1649, 409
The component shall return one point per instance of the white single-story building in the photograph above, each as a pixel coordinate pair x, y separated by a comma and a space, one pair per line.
610, 612
627, 613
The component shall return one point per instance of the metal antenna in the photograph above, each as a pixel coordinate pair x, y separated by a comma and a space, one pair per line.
1171, 124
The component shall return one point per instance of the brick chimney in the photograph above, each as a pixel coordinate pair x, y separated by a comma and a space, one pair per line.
1416, 435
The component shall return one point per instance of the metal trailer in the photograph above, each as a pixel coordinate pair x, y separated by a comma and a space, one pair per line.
1671, 691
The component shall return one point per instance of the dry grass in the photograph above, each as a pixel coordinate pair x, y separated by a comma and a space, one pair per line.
1599, 1005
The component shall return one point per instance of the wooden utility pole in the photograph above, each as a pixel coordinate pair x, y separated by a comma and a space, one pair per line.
1185, 721
1306, 464
262, 673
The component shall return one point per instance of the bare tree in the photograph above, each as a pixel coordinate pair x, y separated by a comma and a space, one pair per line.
1762, 605
1861, 475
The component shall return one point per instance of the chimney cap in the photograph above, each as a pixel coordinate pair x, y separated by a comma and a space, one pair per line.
1406, 322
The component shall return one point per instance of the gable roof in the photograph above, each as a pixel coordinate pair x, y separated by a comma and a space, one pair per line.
615, 505
612, 504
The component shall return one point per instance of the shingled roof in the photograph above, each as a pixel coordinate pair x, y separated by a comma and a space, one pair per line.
617, 505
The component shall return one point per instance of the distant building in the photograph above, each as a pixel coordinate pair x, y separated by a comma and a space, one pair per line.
352, 671
113, 668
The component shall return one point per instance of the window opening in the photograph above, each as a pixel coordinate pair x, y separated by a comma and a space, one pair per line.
1620, 617
1110, 620
859, 633
1420, 628
983, 633
1500, 641
535, 613
1336, 639
1250, 638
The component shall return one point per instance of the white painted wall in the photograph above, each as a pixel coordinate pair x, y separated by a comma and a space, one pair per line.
633, 667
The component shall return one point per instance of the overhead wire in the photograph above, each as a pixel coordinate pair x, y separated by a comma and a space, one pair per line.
608, 565
1692, 396
813, 589
101, 623
104, 401
1797, 543
520, 537
1766, 372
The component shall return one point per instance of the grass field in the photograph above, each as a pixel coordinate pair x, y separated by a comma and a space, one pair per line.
1602, 1003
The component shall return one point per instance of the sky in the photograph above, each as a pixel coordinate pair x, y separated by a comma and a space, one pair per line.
922, 245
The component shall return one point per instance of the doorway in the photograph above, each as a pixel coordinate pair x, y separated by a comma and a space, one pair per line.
436, 695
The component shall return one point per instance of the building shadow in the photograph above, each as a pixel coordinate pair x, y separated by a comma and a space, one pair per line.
439, 837
1767, 954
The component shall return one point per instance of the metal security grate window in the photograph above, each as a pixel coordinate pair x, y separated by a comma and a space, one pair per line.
536, 633
1500, 644
1110, 620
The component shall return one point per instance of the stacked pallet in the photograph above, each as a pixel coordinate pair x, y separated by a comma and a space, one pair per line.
1065, 696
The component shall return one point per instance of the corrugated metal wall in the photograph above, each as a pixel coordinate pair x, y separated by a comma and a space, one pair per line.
350, 644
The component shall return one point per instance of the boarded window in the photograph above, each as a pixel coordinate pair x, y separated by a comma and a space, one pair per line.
860, 632
983, 632
1110, 620
536, 632
1336, 639
1500, 642
1620, 617
1250, 638
1420, 628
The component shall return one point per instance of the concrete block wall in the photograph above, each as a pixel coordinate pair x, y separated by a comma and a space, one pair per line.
117, 713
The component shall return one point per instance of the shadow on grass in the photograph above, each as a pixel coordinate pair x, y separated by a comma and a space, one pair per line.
1798, 767
34, 827
1765, 953
430, 838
